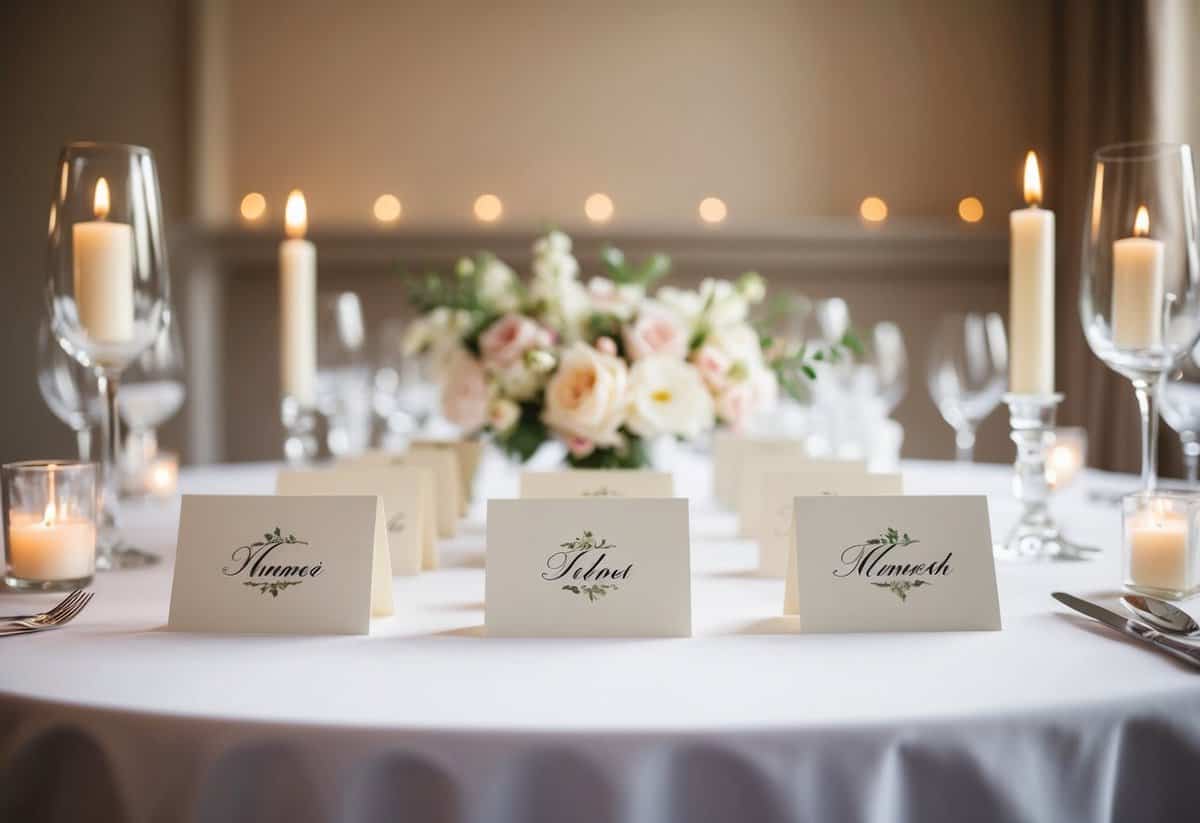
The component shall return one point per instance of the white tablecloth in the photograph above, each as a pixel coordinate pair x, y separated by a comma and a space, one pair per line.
1053, 718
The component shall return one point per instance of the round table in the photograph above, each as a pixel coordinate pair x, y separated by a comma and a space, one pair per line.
426, 719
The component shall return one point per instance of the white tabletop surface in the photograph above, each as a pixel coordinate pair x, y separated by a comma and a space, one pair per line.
430, 667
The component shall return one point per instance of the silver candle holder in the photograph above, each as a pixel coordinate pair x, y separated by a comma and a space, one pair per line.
1036, 535
300, 441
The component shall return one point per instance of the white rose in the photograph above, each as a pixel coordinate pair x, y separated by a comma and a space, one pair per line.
724, 304
668, 396
739, 343
587, 396
687, 304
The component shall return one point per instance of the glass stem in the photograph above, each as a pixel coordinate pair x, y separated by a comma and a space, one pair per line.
83, 438
110, 444
1147, 399
964, 442
1191, 456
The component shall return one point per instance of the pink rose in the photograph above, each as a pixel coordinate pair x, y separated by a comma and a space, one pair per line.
757, 392
506, 341
656, 331
580, 446
587, 396
465, 392
714, 366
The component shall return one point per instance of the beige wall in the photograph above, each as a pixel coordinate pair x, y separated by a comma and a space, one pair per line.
783, 109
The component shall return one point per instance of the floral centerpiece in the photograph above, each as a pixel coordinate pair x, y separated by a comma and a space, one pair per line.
604, 365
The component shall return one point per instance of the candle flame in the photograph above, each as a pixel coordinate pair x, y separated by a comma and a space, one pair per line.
1141, 223
1033, 180
101, 204
295, 214
49, 515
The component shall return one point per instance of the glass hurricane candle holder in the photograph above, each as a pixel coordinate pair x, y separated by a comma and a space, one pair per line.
1159, 542
50, 511
1139, 296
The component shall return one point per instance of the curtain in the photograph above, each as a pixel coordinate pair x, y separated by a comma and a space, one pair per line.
1105, 83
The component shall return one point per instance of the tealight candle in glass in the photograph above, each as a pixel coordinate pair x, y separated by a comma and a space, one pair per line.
49, 524
1067, 456
1160, 543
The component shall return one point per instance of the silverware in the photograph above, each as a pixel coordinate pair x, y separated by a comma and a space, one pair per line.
1162, 615
44, 622
1131, 628
64, 603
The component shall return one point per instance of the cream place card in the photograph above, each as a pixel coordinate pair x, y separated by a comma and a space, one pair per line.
597, 483
447, 486
468, 453
407, 494
895, 564
254, 564
753, 483
780, 488
588, 567
731, 450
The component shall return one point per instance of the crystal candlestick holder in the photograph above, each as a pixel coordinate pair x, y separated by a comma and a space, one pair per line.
1036, 535
300, 441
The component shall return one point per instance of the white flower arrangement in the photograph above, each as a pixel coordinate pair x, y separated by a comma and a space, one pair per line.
601, 366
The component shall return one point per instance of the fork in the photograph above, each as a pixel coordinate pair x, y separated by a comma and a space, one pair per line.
64, 603
44, 622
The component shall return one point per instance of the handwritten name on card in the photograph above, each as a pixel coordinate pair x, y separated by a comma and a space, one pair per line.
280, 565
894, 563
588, 567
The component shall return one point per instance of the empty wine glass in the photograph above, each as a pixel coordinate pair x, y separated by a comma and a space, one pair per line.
405, 396
107, 289
882, 371
1139, 297
968, 373
343, 377
69, 390
152, 392
1180, 408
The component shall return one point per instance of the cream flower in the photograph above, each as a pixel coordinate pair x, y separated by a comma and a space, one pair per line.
503, 415
506, 341
667, 396
497, 285
607, 297
587, 396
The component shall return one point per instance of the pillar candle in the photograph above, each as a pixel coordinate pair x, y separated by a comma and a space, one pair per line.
298, 306
1031, 294
103, 265
1137, 306
1158, 552
49, 548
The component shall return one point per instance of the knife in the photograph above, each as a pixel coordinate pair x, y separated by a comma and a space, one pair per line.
1186, 652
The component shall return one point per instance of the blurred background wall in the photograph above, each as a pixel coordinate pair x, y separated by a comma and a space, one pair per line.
792, 113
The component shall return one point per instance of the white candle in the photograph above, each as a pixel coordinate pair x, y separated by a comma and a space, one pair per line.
1137, 301
103, 256
1031, 291
1158, 551
298, 305
49, 548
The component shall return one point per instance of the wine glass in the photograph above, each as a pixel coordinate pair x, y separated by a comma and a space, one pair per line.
152, 392
1180, 408
1139, 297
405, 396
968, 373
343, 378
882, 372
107, 290
68, 389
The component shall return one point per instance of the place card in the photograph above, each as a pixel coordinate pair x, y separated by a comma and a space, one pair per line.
255, 564
588, 567
780, 488
894, 564
468, 453
597, 483
729, 452
447, 485
407, 494
753, 483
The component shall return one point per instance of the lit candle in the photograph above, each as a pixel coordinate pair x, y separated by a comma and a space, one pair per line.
1031, 294
1158, 551
103, 258
50, 547
162, 476
298, 305
1137, 301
